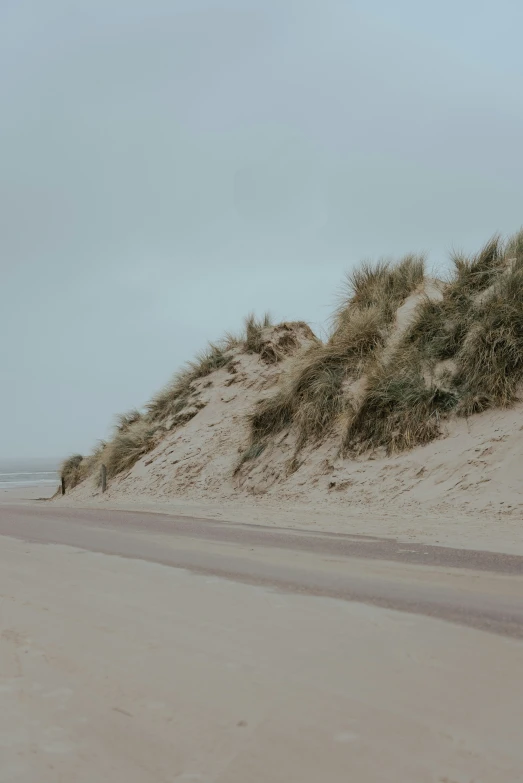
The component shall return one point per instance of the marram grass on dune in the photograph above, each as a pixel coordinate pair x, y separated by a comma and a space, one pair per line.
405, 353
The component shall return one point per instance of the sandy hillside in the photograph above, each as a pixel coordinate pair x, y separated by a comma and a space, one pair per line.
474, 466
197, 443
473, 470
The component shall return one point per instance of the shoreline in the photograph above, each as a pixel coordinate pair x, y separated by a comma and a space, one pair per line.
24, 493
479, 531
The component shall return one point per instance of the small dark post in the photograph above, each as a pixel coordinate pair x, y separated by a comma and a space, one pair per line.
104, 478
63, 486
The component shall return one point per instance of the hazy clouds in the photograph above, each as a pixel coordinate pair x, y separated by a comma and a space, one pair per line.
168, 166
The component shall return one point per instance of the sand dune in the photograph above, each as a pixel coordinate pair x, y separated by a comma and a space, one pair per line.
464, 489
405, 421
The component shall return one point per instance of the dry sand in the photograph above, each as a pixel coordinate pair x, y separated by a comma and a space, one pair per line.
456, 529
464, 489
125, 671
23, 494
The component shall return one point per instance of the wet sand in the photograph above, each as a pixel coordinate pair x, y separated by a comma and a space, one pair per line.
460, 585
117, 668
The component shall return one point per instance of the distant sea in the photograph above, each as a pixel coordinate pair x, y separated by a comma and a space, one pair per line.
28, 473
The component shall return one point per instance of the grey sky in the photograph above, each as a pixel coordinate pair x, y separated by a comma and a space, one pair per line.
168, 166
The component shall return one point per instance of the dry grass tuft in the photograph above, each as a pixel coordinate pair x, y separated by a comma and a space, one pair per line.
491, 357
475, 274
270, 416
316, 388
128, 446
384, 285
514, 248
71, 470
76, 469
361, 335
439, 327
176, 396
252, 341
125, 420
311, 399
399, 409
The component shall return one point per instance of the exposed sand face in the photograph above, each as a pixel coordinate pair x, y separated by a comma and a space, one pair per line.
464, 489
125, 671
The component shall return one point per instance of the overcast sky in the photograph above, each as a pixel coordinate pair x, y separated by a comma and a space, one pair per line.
169, 165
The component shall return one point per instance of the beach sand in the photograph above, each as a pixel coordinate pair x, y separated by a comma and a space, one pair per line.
21, 494
126, 671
